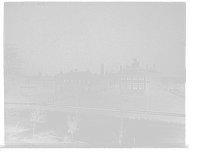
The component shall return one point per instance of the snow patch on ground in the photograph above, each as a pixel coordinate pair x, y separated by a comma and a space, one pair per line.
93, 129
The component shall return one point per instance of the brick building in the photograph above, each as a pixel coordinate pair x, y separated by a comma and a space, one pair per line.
135, 80
38, 84
82, 81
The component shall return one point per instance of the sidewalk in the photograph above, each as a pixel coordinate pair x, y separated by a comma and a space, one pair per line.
175, 94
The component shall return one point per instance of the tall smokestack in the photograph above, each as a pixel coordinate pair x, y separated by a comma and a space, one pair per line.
154, 67
102, 70
147, 67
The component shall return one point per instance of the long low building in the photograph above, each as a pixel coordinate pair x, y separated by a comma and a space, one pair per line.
81, 81
38, 84
135, 80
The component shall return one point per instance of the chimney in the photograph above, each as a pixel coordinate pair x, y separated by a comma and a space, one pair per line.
147, 67
102, 70
154, 66
40, 75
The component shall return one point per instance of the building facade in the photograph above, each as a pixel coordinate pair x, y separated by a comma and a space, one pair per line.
82, 81
135, 80
37, 85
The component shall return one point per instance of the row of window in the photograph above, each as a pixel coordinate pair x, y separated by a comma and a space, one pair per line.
75, 81
132, 86
41, 83
135, 77
75, 76
27, 85
27, 90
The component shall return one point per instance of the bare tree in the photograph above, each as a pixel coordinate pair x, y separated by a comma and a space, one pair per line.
72, 123
37, 116
12, 61
120, 127
11, 66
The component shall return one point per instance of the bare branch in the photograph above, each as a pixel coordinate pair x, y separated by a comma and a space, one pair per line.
113, 133
127, 127
116, 125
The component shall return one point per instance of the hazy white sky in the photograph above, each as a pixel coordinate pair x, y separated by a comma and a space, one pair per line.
63, 36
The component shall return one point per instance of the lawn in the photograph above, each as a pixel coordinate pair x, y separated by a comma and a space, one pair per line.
166, 103
179, 92
33, 98
93, 130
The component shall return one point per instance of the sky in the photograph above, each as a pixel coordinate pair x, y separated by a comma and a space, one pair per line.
50, 37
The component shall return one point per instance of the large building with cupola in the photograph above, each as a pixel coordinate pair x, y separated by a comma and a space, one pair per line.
135, 80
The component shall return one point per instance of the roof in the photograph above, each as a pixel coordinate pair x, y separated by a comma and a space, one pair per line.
38, 79
83, 74
153, 71
133, 68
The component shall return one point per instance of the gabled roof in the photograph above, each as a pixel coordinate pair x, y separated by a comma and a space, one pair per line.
38, 79
133, 69
82, 74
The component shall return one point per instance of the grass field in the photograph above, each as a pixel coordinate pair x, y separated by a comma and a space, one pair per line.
167, 102
33, 98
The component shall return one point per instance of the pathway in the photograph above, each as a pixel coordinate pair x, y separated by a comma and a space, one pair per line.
175, 94
106, 109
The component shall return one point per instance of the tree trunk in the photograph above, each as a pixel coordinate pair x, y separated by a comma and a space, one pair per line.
120, 139
17, 125
34, 130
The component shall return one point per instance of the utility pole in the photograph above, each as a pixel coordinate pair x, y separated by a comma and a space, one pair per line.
76, 91
148, 93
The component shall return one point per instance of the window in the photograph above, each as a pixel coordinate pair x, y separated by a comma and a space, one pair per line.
123, 86
122, 77
135, 86
135, 77
141, 77
128, 86
141, 86
129, 78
